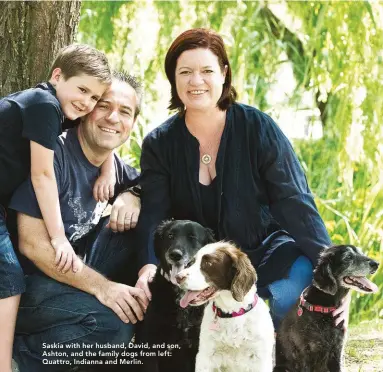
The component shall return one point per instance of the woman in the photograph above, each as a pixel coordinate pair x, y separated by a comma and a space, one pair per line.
228, 166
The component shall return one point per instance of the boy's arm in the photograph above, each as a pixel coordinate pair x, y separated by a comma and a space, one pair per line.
44, 184
104, 187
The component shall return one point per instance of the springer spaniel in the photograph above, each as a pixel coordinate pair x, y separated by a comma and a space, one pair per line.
237, 332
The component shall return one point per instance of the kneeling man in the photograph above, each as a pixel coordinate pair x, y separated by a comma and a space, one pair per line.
70, 312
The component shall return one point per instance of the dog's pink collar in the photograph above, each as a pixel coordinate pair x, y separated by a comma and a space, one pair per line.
218, 312
311, 307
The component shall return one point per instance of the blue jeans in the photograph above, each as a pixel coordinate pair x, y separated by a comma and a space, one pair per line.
284, 293
11, 274
51, 312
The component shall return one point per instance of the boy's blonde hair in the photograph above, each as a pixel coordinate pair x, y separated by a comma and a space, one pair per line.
77, 59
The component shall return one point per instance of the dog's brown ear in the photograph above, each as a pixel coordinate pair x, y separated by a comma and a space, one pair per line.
245, 275
324, 278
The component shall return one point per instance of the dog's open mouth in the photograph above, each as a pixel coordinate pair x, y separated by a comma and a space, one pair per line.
197, 297
360, 284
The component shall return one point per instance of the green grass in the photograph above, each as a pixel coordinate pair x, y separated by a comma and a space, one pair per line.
364, 348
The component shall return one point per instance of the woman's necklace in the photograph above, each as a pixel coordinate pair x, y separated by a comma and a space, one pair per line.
211, 147
208, 149
206, 159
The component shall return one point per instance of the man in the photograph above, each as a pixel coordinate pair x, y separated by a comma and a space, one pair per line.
76, 311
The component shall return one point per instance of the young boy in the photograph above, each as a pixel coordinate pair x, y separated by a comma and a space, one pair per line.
30, 122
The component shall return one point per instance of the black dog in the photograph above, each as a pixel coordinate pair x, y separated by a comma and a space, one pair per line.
166, 324
308, 340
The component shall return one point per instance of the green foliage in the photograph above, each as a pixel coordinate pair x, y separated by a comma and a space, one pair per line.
334, 51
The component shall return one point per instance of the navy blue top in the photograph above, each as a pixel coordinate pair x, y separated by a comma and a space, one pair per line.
260, 185
30, 115
75, 177
209, 204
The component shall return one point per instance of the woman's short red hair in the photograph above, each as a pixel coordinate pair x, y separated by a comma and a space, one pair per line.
193, 39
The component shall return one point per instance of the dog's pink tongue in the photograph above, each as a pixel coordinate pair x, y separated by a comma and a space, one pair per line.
188, 297
367, 283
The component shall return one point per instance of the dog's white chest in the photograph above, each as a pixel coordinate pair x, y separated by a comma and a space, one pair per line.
242, 343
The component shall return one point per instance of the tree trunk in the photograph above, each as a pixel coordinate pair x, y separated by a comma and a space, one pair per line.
31, 33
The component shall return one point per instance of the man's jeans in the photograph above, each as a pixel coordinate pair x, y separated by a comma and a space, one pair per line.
51, 312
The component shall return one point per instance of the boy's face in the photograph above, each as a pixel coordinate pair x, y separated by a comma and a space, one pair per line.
110, 123
77, 95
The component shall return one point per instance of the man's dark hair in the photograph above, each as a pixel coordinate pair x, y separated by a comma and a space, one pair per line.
134, 82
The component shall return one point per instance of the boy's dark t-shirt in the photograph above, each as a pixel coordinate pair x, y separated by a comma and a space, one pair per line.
30, 115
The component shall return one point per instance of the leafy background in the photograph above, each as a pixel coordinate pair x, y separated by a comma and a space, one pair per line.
316, 67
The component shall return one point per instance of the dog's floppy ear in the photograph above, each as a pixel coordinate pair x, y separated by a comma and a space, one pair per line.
244, 277
324, 278
209, 236
158, 236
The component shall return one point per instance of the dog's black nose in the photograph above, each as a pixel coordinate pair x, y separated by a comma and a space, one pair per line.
175, 255
374, 266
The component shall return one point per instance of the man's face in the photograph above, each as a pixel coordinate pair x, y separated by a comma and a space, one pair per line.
109, 124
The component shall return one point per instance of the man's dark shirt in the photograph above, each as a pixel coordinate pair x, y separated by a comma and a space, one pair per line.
75, 177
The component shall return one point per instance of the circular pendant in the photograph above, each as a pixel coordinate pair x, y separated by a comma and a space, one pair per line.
206, 159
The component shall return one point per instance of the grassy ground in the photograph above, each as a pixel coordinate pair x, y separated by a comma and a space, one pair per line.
364, 348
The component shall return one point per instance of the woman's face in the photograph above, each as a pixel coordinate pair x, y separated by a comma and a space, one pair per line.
199, 79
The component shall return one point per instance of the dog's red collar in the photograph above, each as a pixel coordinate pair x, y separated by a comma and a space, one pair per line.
311, 307
218, 312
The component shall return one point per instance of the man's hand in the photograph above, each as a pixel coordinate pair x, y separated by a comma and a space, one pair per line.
66, 256
128, 303
125, 212
145, 276
341, 314
103, 189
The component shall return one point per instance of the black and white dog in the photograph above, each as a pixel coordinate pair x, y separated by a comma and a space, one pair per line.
308, 340
167, 324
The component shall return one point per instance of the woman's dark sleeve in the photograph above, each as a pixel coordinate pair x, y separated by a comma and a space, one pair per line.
155, 196
290, 199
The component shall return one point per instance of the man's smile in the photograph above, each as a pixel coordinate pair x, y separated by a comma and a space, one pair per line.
108, 130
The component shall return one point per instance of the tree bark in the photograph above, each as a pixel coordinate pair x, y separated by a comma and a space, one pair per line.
31, 33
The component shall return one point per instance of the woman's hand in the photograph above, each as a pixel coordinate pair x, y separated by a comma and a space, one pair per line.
341, 314
145, 276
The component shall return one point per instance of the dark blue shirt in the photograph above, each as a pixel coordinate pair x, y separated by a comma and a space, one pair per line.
30, 115
75, 177
260, 186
